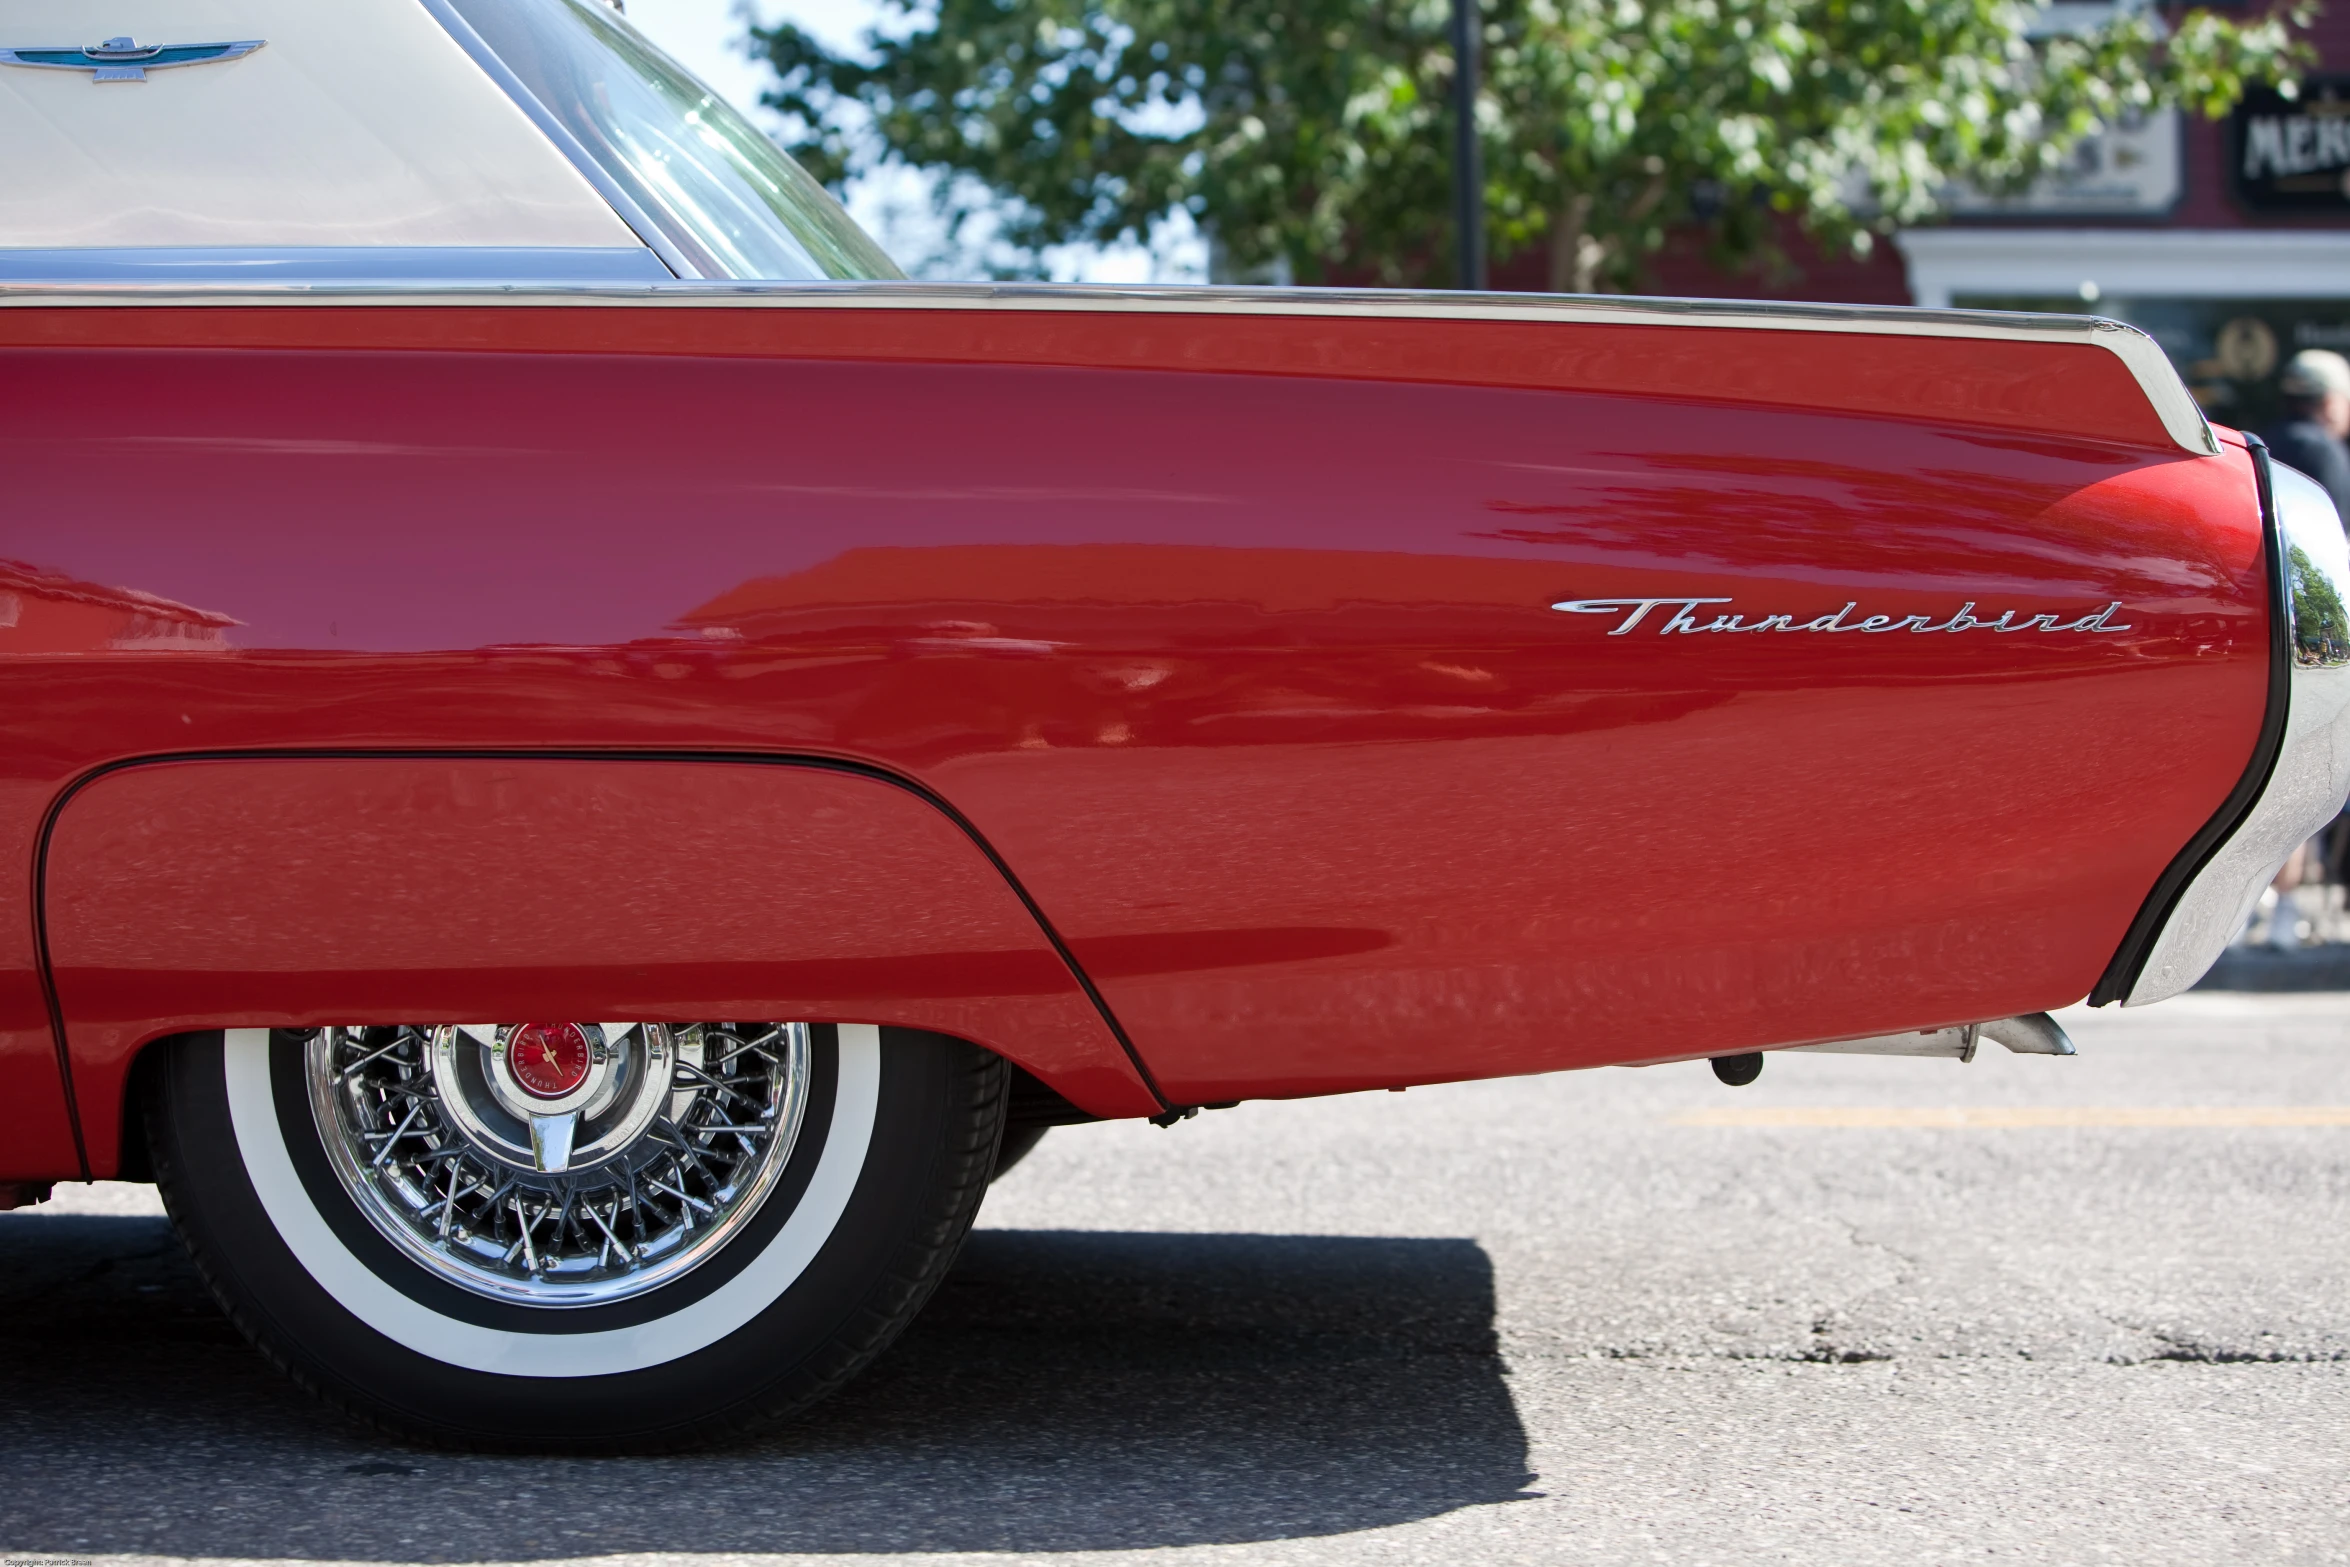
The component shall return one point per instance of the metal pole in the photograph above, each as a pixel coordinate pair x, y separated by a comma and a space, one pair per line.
1468, 162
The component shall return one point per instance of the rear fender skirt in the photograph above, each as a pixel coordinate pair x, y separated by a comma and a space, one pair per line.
186, 894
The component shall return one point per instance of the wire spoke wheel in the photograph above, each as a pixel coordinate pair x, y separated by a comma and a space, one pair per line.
559, 1164
574, 1237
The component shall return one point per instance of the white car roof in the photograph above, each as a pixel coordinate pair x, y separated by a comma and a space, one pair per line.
387, 140
360, 122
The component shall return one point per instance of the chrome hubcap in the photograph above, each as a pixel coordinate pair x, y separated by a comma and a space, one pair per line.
559, 1163
551, 1097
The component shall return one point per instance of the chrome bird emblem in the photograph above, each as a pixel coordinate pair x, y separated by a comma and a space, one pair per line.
121, 60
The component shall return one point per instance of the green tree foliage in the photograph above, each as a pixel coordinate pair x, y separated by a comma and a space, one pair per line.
2320, 620
1312, 135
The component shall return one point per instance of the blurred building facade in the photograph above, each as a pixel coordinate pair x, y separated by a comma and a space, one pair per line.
2229, 241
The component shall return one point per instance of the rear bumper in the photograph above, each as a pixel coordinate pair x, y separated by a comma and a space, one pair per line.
2308, 759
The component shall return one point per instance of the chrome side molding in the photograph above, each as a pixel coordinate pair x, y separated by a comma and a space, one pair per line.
2033, 1034
2310, 777
2165, 393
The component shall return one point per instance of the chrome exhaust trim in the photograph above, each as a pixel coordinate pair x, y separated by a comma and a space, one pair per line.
2310, 778
2034, 1034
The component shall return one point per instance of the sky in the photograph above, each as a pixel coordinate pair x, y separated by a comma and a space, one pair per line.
705, 36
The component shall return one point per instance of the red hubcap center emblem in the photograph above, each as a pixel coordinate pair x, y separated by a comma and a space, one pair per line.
549, 1060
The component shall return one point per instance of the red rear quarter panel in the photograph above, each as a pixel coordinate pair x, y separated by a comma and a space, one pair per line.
1231, 637
296, 892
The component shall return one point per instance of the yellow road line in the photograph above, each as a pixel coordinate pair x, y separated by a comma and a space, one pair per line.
2001, 1116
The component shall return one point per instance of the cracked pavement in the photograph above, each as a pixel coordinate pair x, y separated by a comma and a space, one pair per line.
1520, 1321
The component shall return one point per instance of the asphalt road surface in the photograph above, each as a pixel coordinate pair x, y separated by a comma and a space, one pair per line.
2103, 1316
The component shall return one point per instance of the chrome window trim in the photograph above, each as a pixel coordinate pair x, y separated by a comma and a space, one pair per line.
2310, 778
407, 265
733, 203
2181, 417
482, 55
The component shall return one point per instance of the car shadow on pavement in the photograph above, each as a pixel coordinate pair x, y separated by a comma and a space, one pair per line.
1065, 1391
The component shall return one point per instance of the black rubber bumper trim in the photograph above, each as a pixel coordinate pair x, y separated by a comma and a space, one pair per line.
2121, 975
937, 802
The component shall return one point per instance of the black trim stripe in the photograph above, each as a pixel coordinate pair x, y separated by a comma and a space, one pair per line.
2121, 975
73, 1109
922, 792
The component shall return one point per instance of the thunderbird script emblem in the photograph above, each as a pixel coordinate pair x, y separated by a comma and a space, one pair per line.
121, 60
1689, 617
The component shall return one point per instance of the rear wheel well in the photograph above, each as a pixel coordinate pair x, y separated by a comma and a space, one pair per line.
138, 1157
1032, 1108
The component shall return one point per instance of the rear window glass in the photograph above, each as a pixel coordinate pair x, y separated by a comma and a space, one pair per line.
727, 197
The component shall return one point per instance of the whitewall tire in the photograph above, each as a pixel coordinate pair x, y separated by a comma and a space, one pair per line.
671, 1298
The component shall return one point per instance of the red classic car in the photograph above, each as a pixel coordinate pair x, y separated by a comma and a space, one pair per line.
487, 538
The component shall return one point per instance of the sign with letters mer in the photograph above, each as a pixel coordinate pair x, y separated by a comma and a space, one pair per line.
2293, 154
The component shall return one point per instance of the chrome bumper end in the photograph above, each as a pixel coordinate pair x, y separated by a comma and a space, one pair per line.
2309, 776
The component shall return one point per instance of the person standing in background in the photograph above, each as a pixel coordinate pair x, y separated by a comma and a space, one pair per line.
2316, 387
